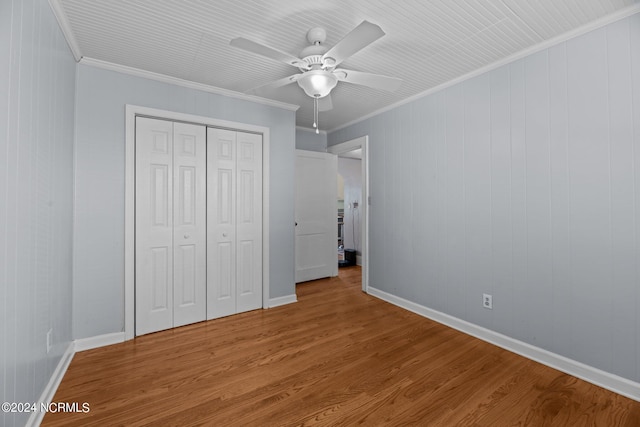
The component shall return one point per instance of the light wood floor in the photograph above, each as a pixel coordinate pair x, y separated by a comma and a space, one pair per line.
337, 357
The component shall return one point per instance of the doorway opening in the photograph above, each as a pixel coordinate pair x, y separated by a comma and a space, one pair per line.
353, 208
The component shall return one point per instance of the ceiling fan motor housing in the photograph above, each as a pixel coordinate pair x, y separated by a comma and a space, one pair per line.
312, 55
312, 62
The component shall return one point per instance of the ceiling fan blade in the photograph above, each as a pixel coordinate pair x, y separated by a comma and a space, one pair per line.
360, 37
275, 84
268, 52
376, 81
325, 103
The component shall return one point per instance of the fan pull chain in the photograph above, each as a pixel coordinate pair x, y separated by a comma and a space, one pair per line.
315, 115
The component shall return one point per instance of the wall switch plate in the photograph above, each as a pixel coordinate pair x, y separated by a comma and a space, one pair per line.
487, 301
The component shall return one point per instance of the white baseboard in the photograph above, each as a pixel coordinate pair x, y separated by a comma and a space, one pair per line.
99, 341
588, 373
52, 386
287, 299
359, 260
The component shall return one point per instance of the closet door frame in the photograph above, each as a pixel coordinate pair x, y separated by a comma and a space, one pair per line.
132, 111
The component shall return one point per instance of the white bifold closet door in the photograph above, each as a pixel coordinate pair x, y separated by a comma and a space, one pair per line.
234, 222
170, 224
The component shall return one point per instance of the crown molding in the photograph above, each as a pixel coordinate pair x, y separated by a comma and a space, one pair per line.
616, 16
65, 26
185, 83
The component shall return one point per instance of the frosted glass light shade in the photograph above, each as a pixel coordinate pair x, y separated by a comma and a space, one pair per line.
317, 83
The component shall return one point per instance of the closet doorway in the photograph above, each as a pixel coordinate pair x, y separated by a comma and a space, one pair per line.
196, 228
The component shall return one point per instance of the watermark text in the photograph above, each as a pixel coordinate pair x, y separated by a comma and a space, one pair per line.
22, 407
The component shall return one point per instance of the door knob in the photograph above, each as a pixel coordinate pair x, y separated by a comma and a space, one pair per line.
224, 234
186, 236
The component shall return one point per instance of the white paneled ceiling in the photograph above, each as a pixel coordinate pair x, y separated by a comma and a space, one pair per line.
428, 42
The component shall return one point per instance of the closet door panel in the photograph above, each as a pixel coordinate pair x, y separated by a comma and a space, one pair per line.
249, 222
154, 225
160, 272
189, 231
221, 223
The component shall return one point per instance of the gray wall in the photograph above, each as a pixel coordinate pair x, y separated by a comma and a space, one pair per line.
100, 182
37, 86
310, 141
523, 183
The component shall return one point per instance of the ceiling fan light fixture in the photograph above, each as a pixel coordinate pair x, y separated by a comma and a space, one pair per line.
317, 64
317, 83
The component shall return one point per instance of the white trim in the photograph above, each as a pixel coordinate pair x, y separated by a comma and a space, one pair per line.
129, 223
129, 244
98, 341
616, 16
287, 299
52, 386
344, 147
588, 373
266, 173
97, 63
65, 27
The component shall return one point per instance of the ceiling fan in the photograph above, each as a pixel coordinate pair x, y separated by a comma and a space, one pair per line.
317, 64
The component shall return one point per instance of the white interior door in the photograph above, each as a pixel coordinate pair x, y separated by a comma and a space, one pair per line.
154, 225
170, 225
234, 222
249, 222
316, 215
189, 225
221, 230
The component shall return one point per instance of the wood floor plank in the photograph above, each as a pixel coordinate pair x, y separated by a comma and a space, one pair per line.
336, 357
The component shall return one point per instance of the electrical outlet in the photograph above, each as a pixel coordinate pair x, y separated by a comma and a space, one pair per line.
49, 340
487, 301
